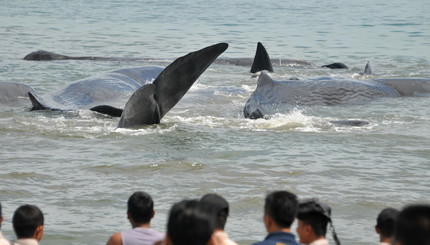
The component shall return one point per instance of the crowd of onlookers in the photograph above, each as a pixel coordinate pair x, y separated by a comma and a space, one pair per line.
201, 222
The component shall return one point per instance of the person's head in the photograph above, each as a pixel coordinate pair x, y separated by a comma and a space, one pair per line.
219, 206
412, 226
313, 218
280, 210
140, 208
190, 222
385, 223
28, 222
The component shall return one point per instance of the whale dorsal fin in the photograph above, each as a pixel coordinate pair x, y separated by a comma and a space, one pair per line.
262, 60
37, 102
367, 69
264, 79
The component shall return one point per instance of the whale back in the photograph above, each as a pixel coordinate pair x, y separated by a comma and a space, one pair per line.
273, 96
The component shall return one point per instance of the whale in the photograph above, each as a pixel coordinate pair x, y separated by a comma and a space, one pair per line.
261, 59
154, 90
272, 96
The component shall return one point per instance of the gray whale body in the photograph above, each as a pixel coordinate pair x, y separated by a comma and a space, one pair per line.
271, 96
154, 90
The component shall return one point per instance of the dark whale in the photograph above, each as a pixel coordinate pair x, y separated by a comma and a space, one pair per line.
261, 58
150, 100
336, 65
273, 96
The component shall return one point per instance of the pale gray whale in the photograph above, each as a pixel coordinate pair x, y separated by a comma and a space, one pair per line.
150, 100
273, 96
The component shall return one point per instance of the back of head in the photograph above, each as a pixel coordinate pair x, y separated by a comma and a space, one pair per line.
140, 207
413, 225
316, 214
386, 220
26, 219
282, 207
190, 223
220, 207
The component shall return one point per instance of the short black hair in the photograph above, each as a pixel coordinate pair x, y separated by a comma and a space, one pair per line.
190, 222
26, 219
141, 207
386, 221
220, 207
413, 225
317, 221
282, 207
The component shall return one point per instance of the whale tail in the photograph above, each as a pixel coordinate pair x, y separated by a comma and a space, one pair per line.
261, 60
152, 101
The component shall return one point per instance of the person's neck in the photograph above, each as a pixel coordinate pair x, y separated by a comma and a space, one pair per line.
384, 239
280, 230
147, 225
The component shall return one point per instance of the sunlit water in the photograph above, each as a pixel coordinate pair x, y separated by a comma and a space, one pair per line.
80, 169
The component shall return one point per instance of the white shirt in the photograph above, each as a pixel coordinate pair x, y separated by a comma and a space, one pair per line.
222, 238
3, 241
321, 241
26, 241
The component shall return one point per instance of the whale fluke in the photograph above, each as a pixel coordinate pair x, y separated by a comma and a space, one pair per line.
262, 61
152, 101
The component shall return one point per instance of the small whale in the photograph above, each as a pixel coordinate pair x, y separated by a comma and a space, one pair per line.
155, 90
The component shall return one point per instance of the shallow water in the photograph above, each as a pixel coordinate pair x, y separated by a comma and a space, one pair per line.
80, 169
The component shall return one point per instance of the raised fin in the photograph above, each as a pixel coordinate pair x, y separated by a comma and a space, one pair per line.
108, 110
142, 108
367, 69
177, 78
37, 102
262, 60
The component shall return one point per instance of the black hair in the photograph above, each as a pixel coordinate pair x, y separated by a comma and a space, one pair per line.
317, 221
26, 219
190, 222
141, 207
386, 221
220, 208
282, 207
413, 225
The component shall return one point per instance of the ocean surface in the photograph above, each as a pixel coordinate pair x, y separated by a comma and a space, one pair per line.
80, 169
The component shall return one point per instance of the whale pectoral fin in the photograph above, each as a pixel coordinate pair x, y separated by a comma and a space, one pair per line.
177, 78
262, 60
367, 69
37, 102
107, 110
142, 108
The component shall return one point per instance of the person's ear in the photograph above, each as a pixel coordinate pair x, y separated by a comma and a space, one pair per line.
1, 219
377, 229
38, 233
153, 213
167, 240
214, 241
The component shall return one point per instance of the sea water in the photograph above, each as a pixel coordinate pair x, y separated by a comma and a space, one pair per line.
80, 169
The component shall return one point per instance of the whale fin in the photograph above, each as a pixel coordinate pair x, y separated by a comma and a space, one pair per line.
107, 110
37, 102
261, 60
177, 78
142, 108
336, 65
367, 69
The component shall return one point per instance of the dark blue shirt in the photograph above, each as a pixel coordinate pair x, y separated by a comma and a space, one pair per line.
279, 238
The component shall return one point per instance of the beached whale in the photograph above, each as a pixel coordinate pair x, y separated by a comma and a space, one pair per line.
155, 90
43, 55
271, 96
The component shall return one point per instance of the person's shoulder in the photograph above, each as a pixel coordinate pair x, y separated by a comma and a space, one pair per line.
115, 239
